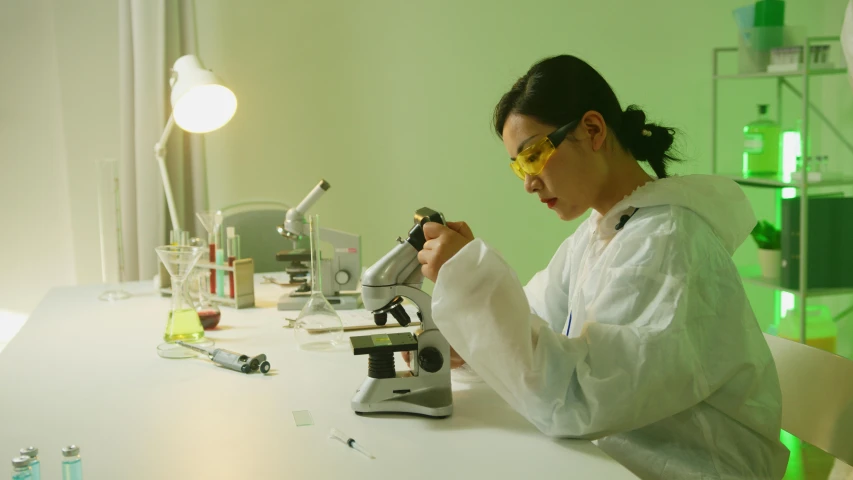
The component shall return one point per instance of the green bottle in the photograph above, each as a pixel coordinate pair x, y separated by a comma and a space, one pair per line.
761, 145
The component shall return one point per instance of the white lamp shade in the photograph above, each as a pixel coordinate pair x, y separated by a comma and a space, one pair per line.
200, 103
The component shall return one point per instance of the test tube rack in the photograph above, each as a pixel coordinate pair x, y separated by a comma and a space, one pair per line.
244, 283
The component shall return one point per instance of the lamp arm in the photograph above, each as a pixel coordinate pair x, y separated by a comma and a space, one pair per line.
160, 153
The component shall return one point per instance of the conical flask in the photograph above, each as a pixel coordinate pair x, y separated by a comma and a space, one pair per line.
318, 326
183, 322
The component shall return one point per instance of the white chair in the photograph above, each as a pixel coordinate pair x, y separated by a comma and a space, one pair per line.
256, 224
817, 396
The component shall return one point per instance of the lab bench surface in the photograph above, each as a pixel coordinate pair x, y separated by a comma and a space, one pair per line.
86, 372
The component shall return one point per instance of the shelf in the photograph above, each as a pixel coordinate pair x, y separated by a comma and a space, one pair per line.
776, 182
797, 73
752, 275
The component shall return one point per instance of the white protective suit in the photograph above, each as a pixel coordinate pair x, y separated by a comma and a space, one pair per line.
664, 361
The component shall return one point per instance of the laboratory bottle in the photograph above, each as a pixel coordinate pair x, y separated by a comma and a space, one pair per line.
72, 467
35, 464
761, 145
21, 468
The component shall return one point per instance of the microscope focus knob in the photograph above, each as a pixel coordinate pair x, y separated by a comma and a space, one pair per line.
342, 277
430, 359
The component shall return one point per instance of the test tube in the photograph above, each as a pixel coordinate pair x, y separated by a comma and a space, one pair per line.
211, 245
229, 247
220, 256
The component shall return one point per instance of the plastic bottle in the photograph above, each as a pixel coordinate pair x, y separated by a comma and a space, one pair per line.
761, 145
33, 454
72, 466
21, 468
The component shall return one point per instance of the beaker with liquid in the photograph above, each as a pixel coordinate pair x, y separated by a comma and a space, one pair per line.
183, 322
318, 326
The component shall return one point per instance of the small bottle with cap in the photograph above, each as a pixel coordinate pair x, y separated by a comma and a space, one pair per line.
21, 468
72, 467
33, 454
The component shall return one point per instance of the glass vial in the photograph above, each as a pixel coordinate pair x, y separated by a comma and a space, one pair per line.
33, 454
72, 467
21, 468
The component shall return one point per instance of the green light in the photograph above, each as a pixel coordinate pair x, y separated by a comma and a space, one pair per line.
787, 301
795, 460
790, 152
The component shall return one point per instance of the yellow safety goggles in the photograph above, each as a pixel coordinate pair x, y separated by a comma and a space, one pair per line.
532, 160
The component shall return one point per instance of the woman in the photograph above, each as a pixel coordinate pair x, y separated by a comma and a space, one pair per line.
638, 333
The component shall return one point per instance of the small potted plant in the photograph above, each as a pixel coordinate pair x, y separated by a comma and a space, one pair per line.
769, 241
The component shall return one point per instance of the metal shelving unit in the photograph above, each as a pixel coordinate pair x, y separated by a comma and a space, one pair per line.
802, 185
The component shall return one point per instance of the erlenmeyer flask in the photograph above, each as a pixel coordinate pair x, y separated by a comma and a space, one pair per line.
318, 326
183, 323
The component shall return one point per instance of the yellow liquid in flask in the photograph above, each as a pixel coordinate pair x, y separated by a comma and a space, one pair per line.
183, 325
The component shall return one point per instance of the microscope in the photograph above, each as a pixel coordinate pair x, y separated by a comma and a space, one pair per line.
425, 390
339, 273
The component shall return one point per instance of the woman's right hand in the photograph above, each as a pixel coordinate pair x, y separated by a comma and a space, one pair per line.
455, 360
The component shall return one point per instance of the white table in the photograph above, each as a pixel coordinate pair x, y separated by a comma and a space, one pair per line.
86, 372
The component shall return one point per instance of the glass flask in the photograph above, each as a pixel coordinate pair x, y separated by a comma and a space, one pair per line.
318, 326
183, 323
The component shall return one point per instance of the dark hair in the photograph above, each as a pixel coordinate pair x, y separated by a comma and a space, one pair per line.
561, 89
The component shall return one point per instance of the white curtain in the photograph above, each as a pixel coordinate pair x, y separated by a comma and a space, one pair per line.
152, 35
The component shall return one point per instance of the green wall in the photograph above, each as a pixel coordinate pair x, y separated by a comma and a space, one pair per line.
391, 102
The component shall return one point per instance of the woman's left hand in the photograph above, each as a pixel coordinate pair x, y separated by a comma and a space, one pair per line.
443, 242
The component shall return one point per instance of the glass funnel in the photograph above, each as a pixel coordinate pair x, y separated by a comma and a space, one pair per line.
318, 326
183, 323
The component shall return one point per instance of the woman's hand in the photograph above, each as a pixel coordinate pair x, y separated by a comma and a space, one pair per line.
455, 360
443, 242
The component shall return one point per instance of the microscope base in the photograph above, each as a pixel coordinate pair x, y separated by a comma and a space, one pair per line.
377, 395
338, 302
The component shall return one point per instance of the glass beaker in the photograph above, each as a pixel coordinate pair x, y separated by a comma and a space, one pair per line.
183, 323
318, 326
208, 312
